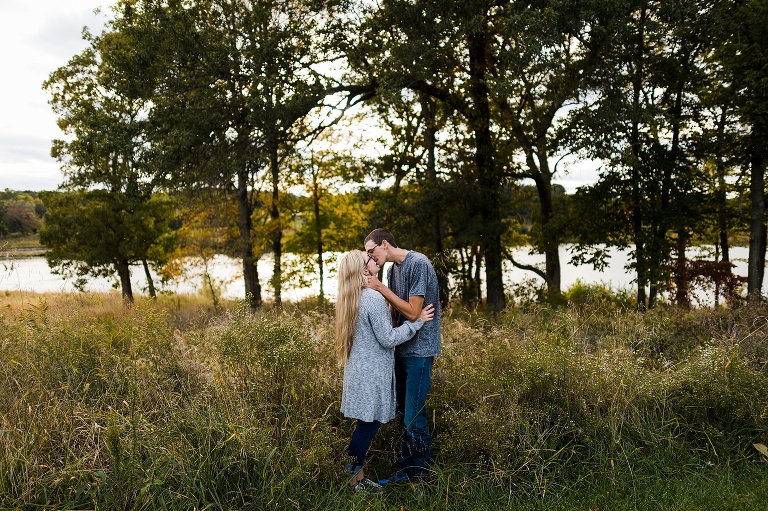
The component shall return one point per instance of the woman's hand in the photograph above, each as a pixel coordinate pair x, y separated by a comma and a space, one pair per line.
427, 313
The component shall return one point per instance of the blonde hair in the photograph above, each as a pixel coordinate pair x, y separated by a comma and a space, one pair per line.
351, 278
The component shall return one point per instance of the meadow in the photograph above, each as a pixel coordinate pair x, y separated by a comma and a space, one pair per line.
169, 405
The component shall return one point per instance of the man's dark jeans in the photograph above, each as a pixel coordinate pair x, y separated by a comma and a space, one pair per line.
413, 376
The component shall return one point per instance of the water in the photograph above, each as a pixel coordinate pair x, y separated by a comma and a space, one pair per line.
33, 275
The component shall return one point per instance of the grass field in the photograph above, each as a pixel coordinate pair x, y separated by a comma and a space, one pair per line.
168, 405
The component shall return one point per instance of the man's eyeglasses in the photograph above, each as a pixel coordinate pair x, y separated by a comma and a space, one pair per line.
370, 250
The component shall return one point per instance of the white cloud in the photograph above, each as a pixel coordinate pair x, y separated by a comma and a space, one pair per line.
36, 37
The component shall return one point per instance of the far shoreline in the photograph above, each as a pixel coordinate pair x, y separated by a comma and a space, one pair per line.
22, 253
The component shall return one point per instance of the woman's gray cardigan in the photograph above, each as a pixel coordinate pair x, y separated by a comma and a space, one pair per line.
369, 375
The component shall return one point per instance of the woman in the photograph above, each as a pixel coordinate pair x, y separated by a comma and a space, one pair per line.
365, 346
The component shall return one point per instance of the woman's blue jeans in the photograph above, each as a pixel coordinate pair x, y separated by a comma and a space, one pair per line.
359, 444
413, 379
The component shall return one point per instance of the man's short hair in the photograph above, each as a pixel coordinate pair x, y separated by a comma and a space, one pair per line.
379, 235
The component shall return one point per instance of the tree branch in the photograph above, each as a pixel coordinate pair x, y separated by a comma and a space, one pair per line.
526, 267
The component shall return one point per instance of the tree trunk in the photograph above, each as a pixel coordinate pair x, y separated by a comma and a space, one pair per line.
717, 281
250, 271
277, 235
318, 232
722, 189
208, 281
653, 294
150, 282
551, 240
761, 257
471, 263
662, 251
124, 272
428, 107
478, 291
756, 263
641, 282
637, 217
682, 281
489, 183
637, 222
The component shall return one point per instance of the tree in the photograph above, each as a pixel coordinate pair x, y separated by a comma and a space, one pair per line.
718, 146
20, 212
740, 47
206, 228
326, 220
232, 83
639, 119
442, 50
413, 158
94, 233
3, 226
109, 168
544, 52
19, 216
506, 70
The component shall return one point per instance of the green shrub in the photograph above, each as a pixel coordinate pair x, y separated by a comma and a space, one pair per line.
716, 390
582, 294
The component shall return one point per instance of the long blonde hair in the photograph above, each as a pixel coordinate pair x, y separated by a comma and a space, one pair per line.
351, 277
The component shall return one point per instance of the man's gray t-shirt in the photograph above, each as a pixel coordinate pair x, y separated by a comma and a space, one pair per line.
415, 276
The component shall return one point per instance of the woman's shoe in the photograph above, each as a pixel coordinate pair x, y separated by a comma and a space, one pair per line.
367, 486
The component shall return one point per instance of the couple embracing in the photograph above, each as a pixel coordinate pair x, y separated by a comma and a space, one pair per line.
386, 339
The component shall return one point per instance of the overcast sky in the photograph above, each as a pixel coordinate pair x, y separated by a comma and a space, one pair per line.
39, 36
36, 37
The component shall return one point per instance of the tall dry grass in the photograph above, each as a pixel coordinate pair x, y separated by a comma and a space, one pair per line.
169, 405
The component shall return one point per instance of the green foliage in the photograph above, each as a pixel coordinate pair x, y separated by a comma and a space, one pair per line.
471, 100
538, 399
713, 392
116, 407
274, 362
20, 212
344, 224
100, 232
595, 295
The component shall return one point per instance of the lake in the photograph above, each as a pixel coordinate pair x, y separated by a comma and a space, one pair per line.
33, 274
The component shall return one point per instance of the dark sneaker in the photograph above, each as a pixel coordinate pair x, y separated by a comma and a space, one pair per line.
399, 477
367, 486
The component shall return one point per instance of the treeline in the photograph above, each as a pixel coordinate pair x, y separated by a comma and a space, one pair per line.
436, 119
94, 233
21, 212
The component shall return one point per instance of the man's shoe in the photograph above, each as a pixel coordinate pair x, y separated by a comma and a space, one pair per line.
367, 486
399, 477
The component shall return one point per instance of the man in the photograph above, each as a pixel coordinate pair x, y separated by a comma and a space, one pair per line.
412, 285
